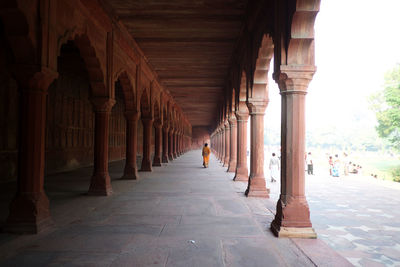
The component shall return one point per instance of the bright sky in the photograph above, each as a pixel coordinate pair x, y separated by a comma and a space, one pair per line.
356, 42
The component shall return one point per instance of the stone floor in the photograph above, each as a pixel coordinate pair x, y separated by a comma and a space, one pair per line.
356, 215
178, 215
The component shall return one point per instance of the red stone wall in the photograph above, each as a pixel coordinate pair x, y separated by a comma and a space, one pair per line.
200, 135
117, 137
70, 116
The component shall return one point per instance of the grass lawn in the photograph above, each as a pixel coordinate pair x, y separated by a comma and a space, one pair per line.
374, 163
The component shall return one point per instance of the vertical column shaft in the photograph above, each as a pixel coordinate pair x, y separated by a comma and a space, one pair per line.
242, 172
233, 148
227, 143
29, 210
170, 145
158, 144
130, 171
256, 185
101, 182
292, 217
147, 134
165, 144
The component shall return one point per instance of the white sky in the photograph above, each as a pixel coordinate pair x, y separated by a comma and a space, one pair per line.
356, 42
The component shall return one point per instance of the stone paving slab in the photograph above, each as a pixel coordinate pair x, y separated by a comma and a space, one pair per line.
356, 215
178, 215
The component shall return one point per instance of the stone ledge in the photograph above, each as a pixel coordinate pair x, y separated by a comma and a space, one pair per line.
320, 253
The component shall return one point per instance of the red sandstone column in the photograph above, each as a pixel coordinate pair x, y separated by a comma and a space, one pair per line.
165, 143
217, 143
100, 183
130, 171
174, 137
256, 186
29, 210
227, 143
170, 145
147, 134
242, 172
178, 144
157, 144
233, 148
292, 217
223, 140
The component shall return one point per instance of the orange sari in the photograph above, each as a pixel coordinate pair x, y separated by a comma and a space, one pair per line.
206, 156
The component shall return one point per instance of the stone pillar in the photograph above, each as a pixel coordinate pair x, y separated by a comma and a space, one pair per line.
233, 148
157, 144
292, 217
227, 143
147, 134
29, 210
178, 144
101, 182
130, 171
170, 145
256, 185
223, 141
165, 144
242, 172
174, 137
221, 146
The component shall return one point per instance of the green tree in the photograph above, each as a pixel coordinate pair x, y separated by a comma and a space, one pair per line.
386, 105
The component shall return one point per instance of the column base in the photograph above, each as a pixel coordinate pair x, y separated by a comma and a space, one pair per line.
164, 159
171, 158
242, 175
100, 185
29, 214
157, 162
226, 163
263, 193
257, 188
232, 166
293, 232
130, 173
174, 156
146, 166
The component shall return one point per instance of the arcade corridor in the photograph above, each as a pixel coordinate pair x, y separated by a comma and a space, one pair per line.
177, 215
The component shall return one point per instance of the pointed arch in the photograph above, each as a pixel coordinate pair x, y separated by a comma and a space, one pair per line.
127, 90
92, 63
260, 77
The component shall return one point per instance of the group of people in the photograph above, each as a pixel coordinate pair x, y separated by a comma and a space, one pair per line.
334, 166
348, 166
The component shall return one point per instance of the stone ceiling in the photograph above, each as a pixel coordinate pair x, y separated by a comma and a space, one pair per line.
189, 44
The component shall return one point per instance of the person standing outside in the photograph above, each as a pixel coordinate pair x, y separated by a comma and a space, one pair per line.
206, 155
310, 165
336, 166
274, 167
330, 165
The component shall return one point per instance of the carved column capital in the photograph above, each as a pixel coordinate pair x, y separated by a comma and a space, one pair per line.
242, 115
232, 121
158, 124
147, 119
166, 126
34, 78
257, 106
294, 79
103, 104
131, 115
226, 124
